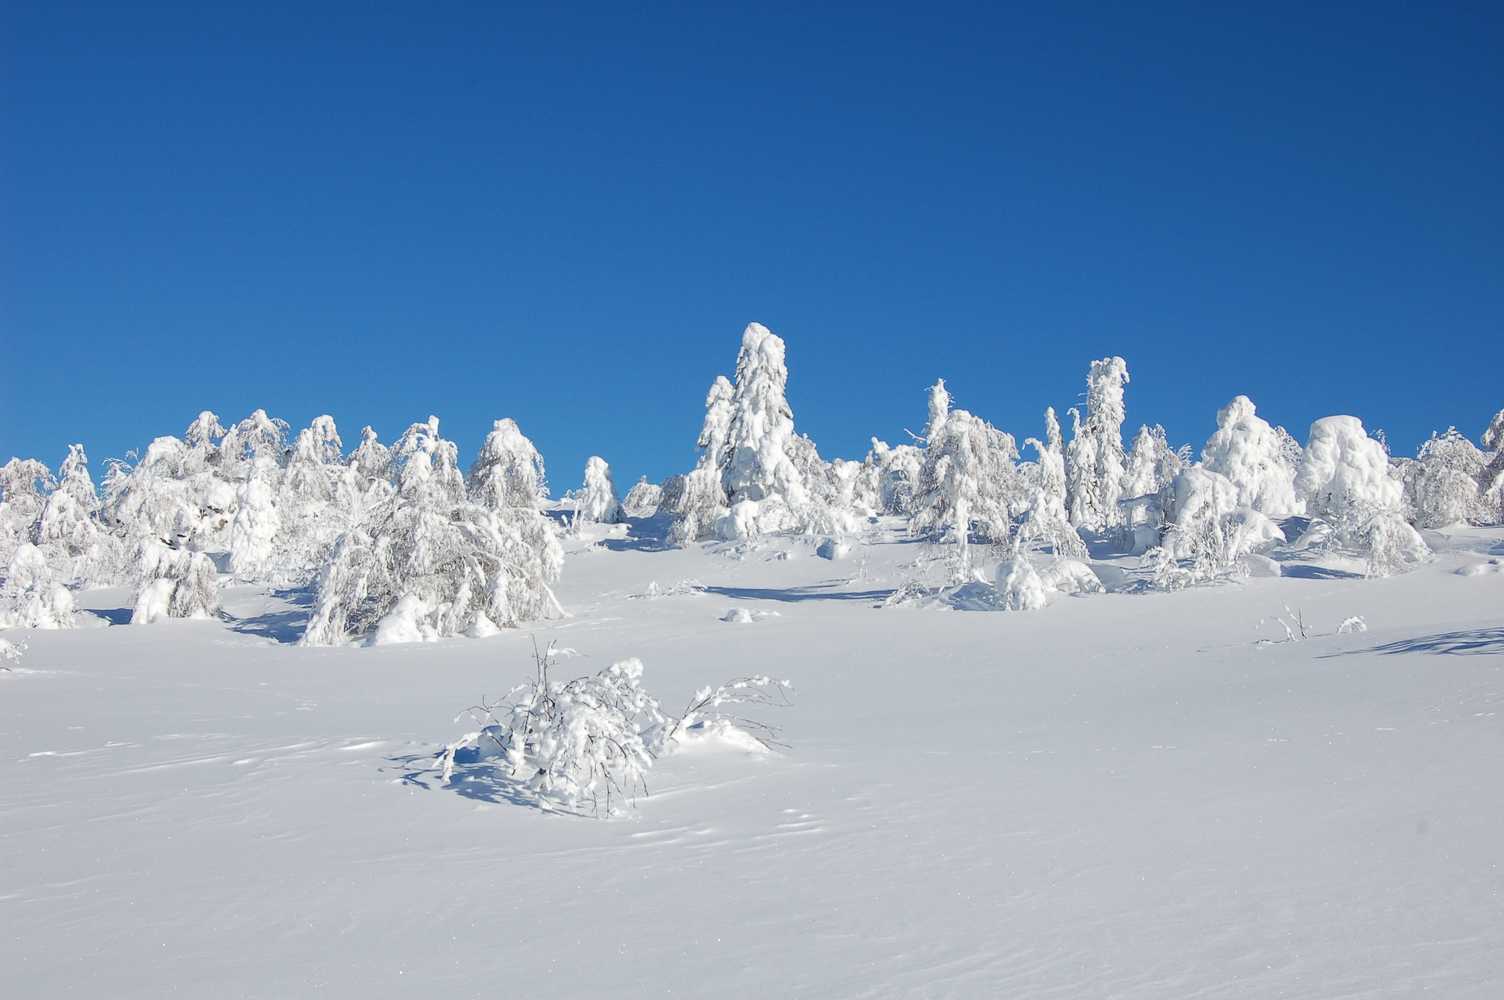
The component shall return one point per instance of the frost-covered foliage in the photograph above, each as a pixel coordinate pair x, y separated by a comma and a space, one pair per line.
1491, 479
1046, 523
1441, 485
591, 741
939, 409
596, 501
30, 596
173, 583
1355, 504
321, 498
642, 499
1094, 459
508, 472
1249, 452
967, 486
429, 562
1207, 532
11, 653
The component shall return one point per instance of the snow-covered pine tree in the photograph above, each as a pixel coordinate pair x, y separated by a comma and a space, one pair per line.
430, 562
764, 487
642, 499
1355, 504
251, 458
596, 502
173, 583
24, 486
1094, 459
68, 531
508, 472
1046, 522
1249, 452
1441, 485
1491, 479
700, 499
30, 596
321, 498
966, 487
1152, 463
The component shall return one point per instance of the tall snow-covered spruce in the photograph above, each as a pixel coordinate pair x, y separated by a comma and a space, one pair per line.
596, 502
1094, 459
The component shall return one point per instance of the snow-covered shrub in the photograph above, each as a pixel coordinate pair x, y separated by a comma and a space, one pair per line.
1094, 459
11, 653
1355, 504
596, 501
1019, 586
642, 499
1441, 485
1249, 452
1070, 576
174, 583
29, 595
592, 740
967, 486
429, 563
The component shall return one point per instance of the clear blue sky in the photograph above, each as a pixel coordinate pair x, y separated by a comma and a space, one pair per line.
567, 217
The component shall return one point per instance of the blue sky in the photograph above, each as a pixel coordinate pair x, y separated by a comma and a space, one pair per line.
567, 217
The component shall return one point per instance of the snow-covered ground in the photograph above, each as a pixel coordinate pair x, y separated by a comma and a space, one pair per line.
1122, 795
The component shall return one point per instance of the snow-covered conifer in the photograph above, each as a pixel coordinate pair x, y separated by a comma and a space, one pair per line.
67, 529
24, 486
758, 469
1094, 459
1491, 479
508, 471
939, 405
1249, 452
966, 486
1441, 485
596, 501
30, 596
1046, 521
1345, 483
174, 583
642, 499
1207, 531
429, 562
699, 498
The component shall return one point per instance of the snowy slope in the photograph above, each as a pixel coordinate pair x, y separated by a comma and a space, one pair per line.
1119, 796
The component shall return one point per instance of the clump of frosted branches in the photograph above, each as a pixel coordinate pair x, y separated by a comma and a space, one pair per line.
592, 740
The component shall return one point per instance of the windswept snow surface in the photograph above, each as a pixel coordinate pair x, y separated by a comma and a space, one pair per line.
1118, 795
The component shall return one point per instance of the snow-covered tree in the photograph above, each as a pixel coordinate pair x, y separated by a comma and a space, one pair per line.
642, 499
1248, 451
321, 497
1152, 463
893, 473
758, 470
371, 460
508, 472
68, 531
699, 498
1094, 459
1345, 483
967, 486
596, 502
1046, 522
24, 486
1491, 479
30, 596
1208, 530
939, 406
173, 583
1441, 485
429, 562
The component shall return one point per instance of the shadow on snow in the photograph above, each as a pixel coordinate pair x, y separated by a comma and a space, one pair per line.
1464, 642
794, 595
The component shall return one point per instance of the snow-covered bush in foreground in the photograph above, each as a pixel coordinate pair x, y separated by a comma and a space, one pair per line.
1354, 502
597, 502
30, 597
174, 583
592, 740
